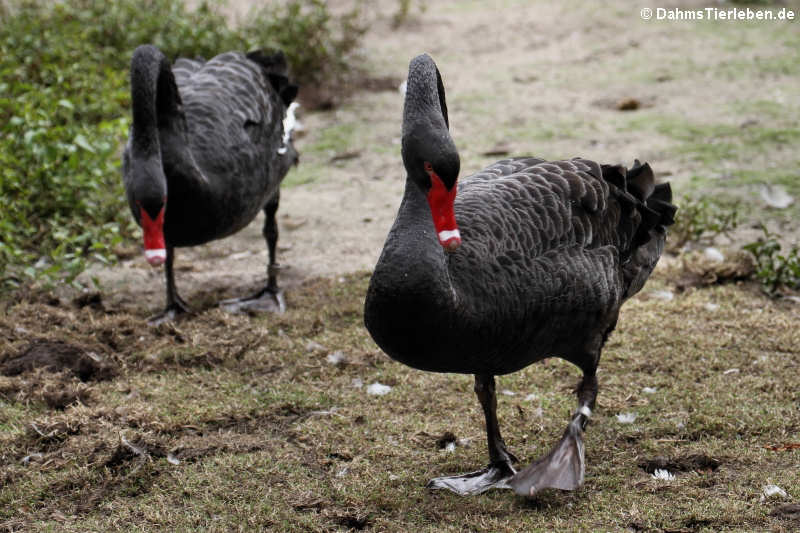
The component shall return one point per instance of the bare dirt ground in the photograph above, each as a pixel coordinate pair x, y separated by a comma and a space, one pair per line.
228, 422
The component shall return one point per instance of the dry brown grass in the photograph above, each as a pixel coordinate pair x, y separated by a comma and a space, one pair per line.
223, 422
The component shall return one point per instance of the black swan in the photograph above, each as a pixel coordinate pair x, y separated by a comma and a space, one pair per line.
207, 151
551, 250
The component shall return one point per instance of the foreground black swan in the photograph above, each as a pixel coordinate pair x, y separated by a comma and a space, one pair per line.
550, 252
207, 151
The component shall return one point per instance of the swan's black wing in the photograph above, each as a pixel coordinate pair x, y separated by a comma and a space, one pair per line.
233, 114
560, 243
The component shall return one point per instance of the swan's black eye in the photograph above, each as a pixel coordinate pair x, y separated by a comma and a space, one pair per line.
428, 167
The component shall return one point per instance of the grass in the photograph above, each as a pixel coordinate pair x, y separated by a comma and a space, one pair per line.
710, 144
271, 436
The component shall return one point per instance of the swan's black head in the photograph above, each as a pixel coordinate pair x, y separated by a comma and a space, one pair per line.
429, 154
146, 186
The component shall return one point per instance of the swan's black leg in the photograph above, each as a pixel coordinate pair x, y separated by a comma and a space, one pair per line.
500, 469
485, 390
564, 467
270, 233
270, 298
175, 304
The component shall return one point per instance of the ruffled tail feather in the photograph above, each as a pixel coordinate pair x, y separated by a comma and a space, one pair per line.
647, 210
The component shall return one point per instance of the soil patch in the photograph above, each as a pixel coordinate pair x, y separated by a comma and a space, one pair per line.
55, 356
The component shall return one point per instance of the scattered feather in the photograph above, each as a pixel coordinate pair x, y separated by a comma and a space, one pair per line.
772, 490
171, 459
711, 307
663, 295
312, 346
775, 196
136, 450
713, 254
378, 389
450, 446
336, 358
663, 475
649, 390
731, 371
506, 392
240, 255
626, 418
28, 458
530, 397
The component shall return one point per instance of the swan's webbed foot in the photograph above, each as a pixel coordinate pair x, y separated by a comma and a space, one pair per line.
269, 300
563, 468
172, 312
494, 476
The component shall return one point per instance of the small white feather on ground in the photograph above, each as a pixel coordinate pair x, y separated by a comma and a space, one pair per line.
663, 475
378, 389
775, 196
770, 491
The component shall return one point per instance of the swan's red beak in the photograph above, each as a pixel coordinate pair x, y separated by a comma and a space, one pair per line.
444, 219
155, 248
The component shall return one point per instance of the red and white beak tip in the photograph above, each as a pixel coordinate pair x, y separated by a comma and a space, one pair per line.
156, 257
450, 239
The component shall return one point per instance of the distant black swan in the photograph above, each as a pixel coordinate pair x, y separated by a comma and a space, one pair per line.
207, 151
550, 252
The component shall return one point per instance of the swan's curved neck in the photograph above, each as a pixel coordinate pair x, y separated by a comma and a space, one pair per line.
414, 247
154, 98
425, 100
411, 304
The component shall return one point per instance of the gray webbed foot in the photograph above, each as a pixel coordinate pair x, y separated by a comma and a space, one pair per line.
494, 476
175, 310
563, 468
267, 300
